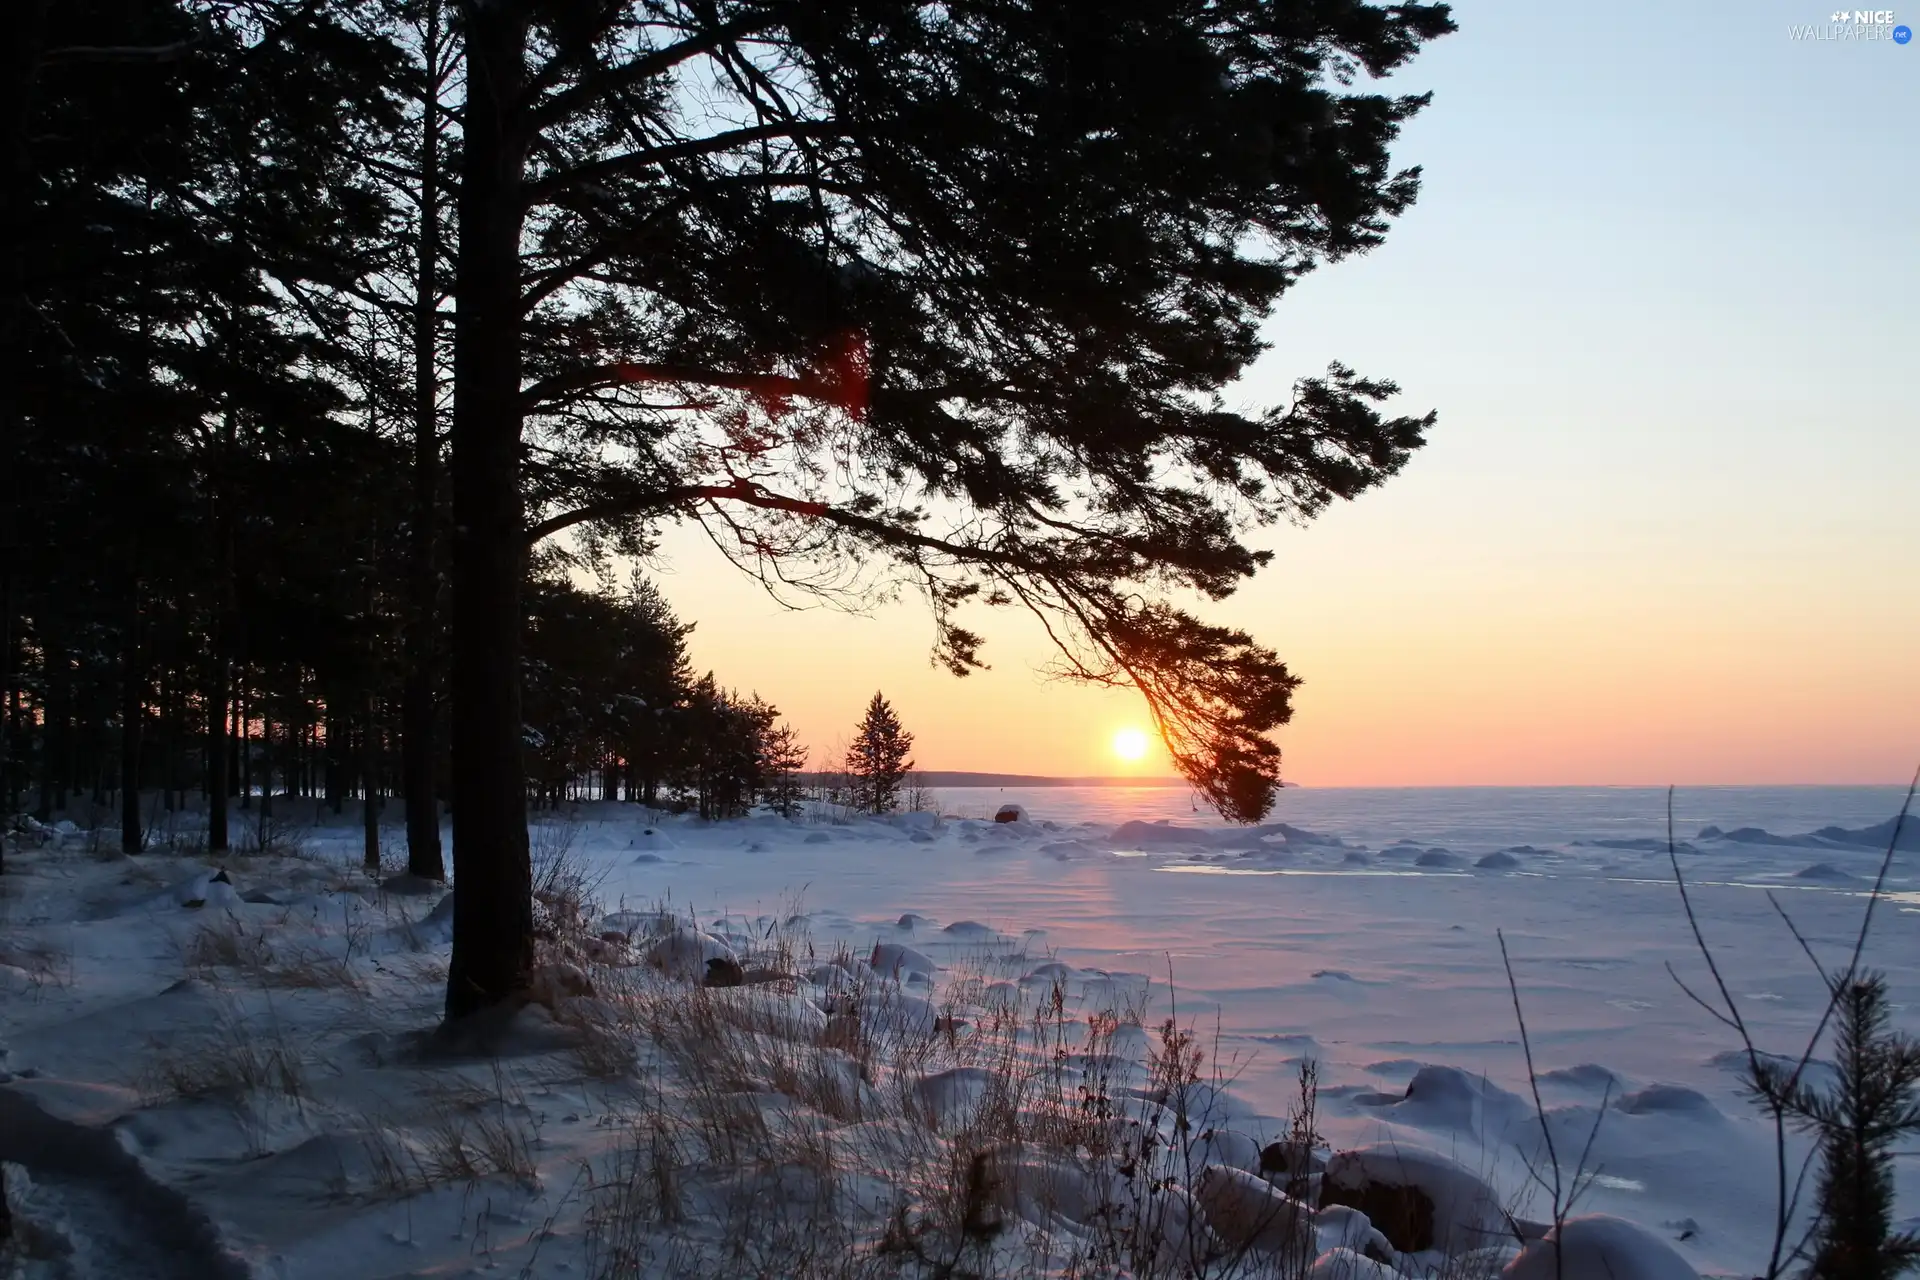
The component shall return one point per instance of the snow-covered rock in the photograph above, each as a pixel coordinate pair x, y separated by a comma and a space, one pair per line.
946, 1097
1341, 1226
1010, 813
1231, 1148
683, 952
1418, 1199
1600, 1247
892, 960
207, 889
1251, 1213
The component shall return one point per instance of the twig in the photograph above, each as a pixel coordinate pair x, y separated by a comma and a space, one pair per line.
1539, 1107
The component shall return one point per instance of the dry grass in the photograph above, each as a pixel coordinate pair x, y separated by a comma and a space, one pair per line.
472, 1131
270, 954
760, 1142
42, 963
250, 1065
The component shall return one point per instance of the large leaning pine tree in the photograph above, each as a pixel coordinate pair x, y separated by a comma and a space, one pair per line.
885, 294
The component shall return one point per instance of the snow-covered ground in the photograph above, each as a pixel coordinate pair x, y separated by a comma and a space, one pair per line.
227, 1078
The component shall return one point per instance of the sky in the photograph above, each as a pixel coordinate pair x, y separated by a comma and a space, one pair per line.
1663, 287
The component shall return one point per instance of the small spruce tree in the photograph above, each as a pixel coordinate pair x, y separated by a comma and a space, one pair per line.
879, 759
1860, 1120
782, 759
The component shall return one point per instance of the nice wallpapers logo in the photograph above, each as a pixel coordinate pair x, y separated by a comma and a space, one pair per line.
1855, 24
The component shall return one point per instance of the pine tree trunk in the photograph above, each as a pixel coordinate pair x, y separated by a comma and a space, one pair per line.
424, 858
245, 739
336, 756
493, 909
53, 661
369, 788
219, 748
132, 712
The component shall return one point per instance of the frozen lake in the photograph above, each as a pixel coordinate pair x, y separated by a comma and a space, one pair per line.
1377, 954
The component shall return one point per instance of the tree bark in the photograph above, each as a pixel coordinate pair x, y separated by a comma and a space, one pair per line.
424, 857
133, 681
493, 908
369, 788
219, 748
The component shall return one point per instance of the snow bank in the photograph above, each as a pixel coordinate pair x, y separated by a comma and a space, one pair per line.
1418, 1199
1600, 1247
684, 952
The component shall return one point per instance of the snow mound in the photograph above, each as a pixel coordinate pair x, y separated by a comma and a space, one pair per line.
1341, 1226
683, 952
1744, 835
1357, 859
1638, 844
207, 889
1587, 1075
891, 960
921, 822
1436, 858
1666, 1099
1230, 1148
1502, 861
1877, 836
1010, 813
1157, 833
948, 1096
1419, 1199
1251, 1213
1822, 871
817, 837
1451, 1100
1599, 1247
651, 840
968, 929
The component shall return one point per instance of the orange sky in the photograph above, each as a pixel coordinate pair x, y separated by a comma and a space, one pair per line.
1666, 528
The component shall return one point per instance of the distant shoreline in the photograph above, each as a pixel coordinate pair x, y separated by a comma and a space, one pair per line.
958, 778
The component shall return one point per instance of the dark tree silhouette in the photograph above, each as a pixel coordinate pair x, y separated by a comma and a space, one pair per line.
951, 298
880, 758
1859, 1120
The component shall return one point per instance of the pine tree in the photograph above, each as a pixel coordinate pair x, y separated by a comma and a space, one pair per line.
1859, 1122
782, 759
956, 295
879, 759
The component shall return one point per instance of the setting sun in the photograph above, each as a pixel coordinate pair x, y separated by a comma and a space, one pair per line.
1130, 744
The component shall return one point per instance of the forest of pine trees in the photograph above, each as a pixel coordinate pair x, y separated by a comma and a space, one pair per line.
226, 513
341, 339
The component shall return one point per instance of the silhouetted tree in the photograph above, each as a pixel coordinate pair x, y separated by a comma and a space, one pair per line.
879, 759
952, 293
1859, 1120
783, 757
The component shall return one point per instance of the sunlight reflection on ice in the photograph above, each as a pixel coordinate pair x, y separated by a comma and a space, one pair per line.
1203, 870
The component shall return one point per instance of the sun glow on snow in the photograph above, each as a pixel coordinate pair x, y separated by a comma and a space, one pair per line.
1130, 744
